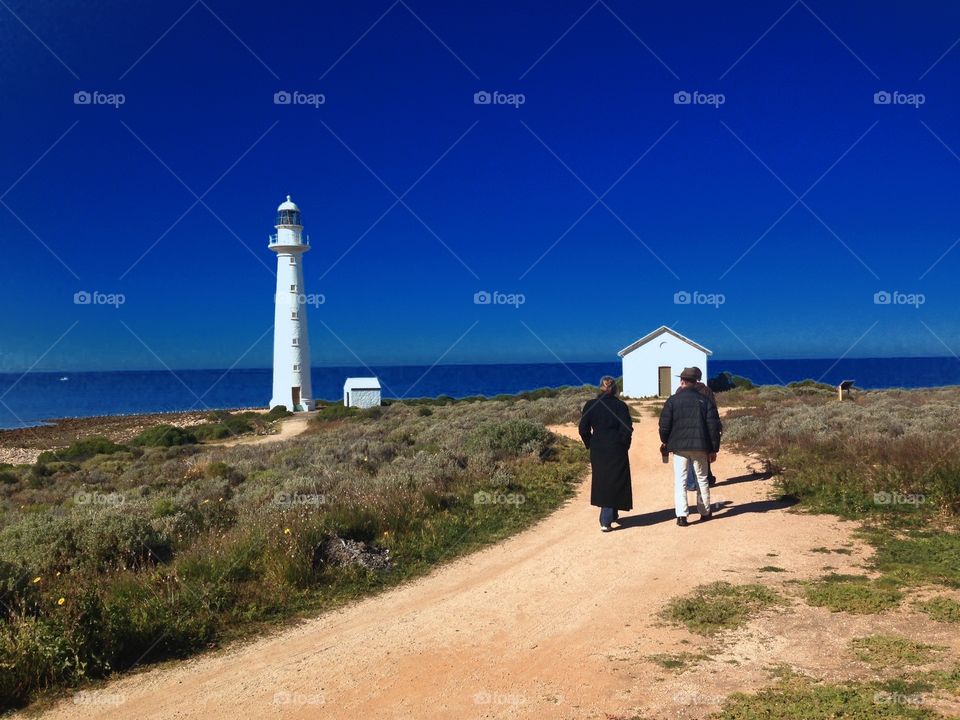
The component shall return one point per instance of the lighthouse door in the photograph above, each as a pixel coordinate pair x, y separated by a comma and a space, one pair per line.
296, 397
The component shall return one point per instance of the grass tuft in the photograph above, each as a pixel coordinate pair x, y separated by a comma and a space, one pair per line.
803, 699
677, 661
941, 609
886, 651
719, 606
853, 594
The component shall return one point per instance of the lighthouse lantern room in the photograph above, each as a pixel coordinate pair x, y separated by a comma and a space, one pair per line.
291, 342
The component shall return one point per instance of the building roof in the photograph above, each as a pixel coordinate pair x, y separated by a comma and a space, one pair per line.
362, 383
287, 204
657, 333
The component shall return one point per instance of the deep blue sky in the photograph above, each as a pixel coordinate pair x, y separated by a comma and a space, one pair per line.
199, 79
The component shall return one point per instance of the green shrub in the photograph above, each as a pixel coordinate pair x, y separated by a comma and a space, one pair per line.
277, 412
510, 437
41, 542
81, 450
18, 592
211, 431
810, 386
335, 411
225, 424
164, 436
120, 540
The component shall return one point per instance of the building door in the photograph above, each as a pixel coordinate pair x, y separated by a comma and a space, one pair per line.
296, 396
664, 385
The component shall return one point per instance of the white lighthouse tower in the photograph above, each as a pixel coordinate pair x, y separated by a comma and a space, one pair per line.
291, 341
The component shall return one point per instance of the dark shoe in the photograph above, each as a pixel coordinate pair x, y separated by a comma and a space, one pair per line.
682, 522
711, 481
706, 516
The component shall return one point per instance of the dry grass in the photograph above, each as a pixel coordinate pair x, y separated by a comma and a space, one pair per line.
165, 550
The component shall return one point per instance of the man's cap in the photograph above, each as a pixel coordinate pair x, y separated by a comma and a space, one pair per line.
690, 374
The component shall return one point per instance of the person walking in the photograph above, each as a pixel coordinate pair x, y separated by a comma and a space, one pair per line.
690, 429
606, 429
704, 390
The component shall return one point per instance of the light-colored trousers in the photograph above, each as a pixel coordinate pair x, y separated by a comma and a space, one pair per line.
682, 461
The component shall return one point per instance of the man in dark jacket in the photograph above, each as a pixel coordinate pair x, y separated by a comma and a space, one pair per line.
690, 429
704, 390
606, 429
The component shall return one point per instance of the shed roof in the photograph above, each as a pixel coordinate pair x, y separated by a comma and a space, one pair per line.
657, 333
362, 383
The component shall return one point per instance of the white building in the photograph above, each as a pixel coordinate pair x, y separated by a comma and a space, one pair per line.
291, 341
652, 363
361, 392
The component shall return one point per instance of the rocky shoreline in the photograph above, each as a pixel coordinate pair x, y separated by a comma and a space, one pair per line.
23, 445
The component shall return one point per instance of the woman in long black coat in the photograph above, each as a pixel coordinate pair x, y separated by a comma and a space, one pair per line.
606, 429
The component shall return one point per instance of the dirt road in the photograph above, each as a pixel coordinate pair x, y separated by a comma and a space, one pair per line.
289, 427
557, 622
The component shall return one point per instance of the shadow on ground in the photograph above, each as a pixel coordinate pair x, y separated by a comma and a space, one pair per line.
722, 510
744, 478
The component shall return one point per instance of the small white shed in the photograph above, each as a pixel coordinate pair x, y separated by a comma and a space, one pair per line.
652, 363
361, 392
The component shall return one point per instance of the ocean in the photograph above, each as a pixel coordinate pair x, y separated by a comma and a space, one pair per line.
38, 396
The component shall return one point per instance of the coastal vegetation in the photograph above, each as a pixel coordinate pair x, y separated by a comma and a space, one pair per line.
890, 460
118, 554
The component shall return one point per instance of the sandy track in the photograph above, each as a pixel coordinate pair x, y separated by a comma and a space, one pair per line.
553, 623
289, 427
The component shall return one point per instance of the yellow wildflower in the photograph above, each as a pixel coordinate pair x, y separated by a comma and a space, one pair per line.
36, 580
61, 601
286, 531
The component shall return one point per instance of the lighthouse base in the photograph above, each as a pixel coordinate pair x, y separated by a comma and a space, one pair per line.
301, 404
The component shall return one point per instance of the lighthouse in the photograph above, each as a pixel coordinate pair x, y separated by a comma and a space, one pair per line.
291, 342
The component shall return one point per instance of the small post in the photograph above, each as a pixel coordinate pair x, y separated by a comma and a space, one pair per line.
843, 390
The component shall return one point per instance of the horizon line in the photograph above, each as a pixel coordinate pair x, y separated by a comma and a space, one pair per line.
462, 364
